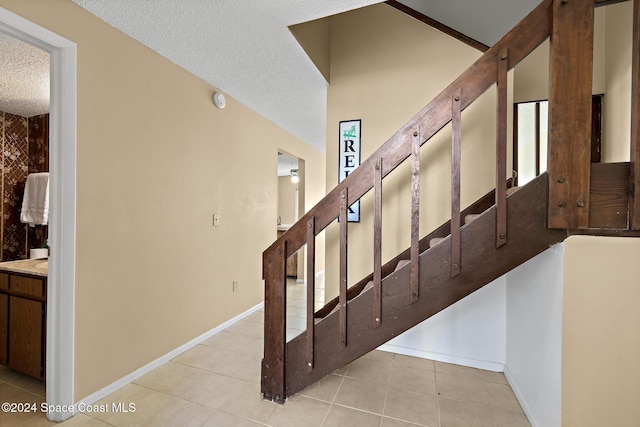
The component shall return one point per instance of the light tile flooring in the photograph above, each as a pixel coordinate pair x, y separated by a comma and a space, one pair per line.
217, 383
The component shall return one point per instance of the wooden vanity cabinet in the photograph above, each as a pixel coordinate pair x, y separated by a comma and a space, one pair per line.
22, 323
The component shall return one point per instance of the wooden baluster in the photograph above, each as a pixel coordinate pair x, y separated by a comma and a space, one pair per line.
414, 274
275, 324
456, 116
571, 71
501, 150
377, 243
634, 207
343, 218
311, 288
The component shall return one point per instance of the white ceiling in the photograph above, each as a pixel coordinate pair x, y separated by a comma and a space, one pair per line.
244, 47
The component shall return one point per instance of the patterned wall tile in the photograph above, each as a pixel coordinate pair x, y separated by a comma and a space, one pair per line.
38, 162
15, 161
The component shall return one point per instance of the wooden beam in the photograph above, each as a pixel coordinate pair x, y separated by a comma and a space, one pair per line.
275, 338
570, 113
439, 26
634, 205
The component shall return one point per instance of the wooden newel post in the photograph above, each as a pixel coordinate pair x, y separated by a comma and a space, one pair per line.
275, 338
571, 73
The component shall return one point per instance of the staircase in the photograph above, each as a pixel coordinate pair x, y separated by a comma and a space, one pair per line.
480, 243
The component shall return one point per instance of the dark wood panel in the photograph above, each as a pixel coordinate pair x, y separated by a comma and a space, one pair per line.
4, 329
25, 336
27, 286
275, 303
4, 281
609, 205
501, 150
571, 59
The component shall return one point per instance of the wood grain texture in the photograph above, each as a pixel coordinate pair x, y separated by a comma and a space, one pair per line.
26, 322
4, 329
571, 69
415, 218
344, 226
275, 308
501, 150
311, 287
609, 194
456, 136
377, 243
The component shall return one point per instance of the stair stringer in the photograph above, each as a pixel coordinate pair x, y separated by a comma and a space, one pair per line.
481, 263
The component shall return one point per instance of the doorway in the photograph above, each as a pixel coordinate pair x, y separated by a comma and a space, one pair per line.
530, 129
62, 194
291, 185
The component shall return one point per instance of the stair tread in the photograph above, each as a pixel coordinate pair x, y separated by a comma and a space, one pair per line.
470, 217
401, 264
435, 241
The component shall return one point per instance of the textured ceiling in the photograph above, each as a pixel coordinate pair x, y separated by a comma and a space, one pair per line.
243, 48
24, 78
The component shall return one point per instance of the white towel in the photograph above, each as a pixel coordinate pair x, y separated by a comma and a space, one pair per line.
35, 204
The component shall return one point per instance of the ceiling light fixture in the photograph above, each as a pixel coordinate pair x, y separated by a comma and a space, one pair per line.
294, 176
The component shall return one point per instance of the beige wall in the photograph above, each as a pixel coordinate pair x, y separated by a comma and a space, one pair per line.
155, 160
601, 343
286, 200
617, 101
313, 37
386, 66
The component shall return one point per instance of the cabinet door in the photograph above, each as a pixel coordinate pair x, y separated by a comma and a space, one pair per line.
4, 327
25, 336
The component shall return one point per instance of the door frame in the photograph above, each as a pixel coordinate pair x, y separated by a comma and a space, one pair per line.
62, 216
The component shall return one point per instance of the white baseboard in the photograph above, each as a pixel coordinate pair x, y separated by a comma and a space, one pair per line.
105, 391
519, 395
447, 358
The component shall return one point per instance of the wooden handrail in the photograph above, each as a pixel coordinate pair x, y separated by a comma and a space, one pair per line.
447, 106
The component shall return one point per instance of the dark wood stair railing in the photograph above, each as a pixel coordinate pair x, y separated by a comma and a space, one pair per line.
447, 107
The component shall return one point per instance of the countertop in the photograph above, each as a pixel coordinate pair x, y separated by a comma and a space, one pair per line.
35, 267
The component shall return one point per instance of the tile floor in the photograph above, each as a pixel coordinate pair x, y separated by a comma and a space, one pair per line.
217, 383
